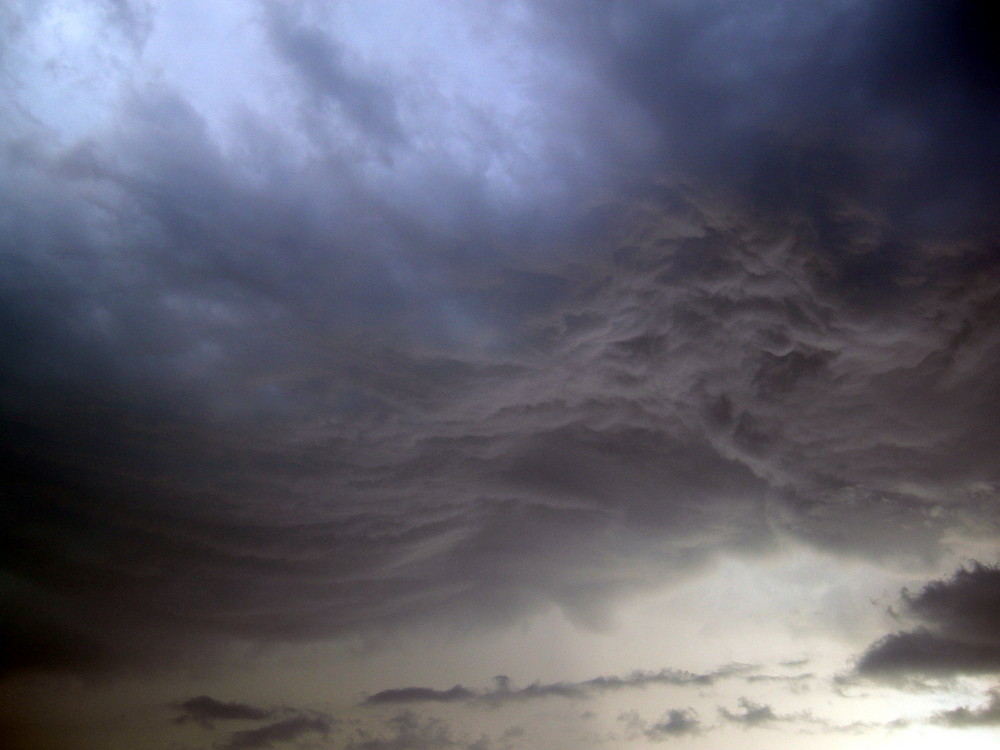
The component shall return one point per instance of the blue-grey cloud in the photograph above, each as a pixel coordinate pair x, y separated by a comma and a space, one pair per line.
278, 387
319, 62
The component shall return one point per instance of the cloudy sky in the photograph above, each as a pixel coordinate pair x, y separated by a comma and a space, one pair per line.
475, 375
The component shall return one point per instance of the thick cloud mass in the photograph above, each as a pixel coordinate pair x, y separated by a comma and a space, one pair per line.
668, 280
961, 632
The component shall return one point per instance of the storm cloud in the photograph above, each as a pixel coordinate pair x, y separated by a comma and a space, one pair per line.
959, 634
346, 322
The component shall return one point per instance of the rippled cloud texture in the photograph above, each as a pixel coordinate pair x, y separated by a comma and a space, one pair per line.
388, 324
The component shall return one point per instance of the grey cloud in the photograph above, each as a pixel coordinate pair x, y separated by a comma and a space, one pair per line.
674, 723
702, 393
961, 618
319, 61
987, 715
750, 714
656, 401
800, 359
253, 394
420, 694
797, 681
503, 691
205, 710
922, 651
408, 731
967, 604
279, 732
824, 99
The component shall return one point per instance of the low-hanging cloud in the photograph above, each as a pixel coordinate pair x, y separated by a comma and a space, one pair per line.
750, 714
985, 715
503, 692
959, 634
338, 371
206, 710
276, 733
408, 731
677, 722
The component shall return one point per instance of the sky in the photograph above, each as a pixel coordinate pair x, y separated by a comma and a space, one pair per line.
479, 375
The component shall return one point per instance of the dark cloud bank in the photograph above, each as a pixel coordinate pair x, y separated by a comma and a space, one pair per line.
245, 397
285, 725
958, 632
503, 692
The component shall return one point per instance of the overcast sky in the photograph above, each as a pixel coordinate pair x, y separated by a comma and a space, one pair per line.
474, 375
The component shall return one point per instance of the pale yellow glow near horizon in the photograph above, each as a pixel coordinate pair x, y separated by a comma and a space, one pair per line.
935, 738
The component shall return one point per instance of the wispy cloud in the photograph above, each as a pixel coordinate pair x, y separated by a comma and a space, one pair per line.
985, 715
206, 710
750, 714
677, 722
407, 731
285, 730
504, 692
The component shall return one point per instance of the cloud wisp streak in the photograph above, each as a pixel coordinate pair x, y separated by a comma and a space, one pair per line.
503, 692
279, 732
206, 710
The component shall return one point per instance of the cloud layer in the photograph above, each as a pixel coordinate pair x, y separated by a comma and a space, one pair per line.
503, 692
543, 306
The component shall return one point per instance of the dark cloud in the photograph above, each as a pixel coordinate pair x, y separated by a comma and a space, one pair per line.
987, 715
319, 62
408, 731
279, 732
922, 651
674, 723
279, 386
206, 710
420, 694
504, 692
961, 617
967, 604
828, 99
750, 714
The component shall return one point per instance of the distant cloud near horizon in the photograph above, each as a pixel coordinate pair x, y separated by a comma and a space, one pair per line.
206, 710
676, 722
503, 692
959, 629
